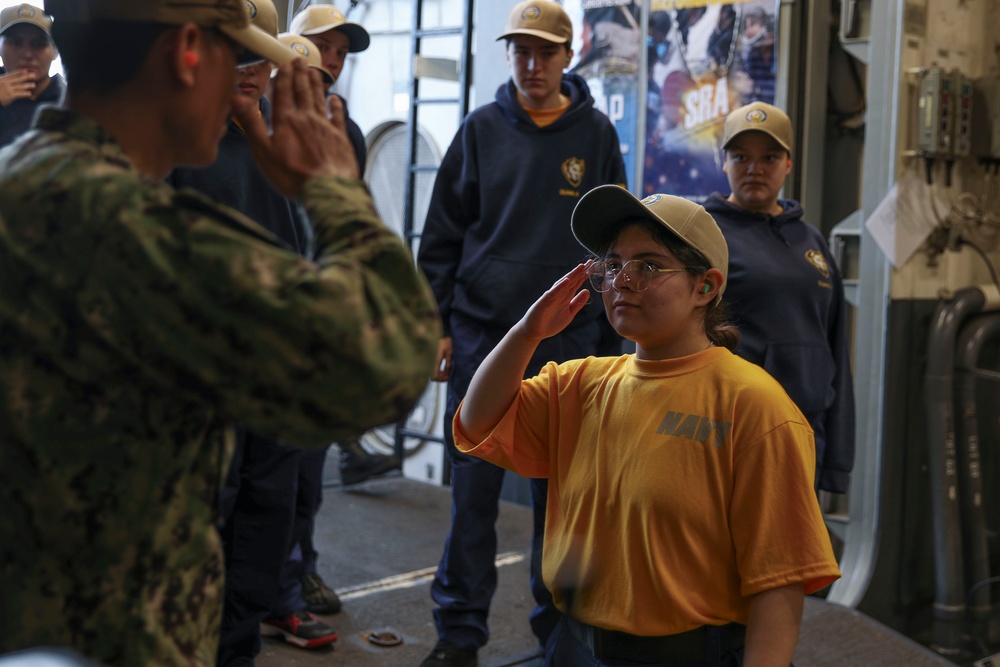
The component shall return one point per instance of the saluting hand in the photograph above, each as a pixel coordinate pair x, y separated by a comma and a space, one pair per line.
308, 137
554, 310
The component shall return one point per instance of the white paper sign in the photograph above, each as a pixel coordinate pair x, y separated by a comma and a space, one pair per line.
904, 218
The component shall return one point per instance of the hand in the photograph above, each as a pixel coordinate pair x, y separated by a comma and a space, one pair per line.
442, 367
17, 85
554, 310
308, 137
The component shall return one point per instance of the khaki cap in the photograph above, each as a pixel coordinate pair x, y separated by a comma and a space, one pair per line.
231, 17
304, 48
759, 117
264, 15
316, 19
540, 18
601, 211
25, 13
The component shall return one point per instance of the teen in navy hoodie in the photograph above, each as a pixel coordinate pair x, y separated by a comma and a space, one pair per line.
497, 235
785, 291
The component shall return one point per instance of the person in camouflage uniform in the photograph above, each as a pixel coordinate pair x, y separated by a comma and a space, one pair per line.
138, 323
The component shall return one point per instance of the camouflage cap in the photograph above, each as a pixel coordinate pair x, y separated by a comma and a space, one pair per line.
316, 19
231, 17
600, 212
304, 48
25, 13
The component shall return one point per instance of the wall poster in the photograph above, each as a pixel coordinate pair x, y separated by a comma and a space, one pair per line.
704, 59
607, 41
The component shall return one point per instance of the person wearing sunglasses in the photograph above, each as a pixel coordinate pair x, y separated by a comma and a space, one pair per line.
682, 526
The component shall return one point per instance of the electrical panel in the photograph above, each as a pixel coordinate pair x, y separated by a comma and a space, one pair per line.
986, 118
936, 104
946, 114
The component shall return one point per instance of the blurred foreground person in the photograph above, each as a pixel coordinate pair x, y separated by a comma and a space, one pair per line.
139, 323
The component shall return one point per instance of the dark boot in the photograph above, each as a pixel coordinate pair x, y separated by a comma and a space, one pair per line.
357, 464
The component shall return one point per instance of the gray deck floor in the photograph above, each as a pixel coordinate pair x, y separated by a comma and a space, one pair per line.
380, 542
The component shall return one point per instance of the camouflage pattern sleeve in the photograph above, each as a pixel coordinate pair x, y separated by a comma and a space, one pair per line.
310, 351
136, 324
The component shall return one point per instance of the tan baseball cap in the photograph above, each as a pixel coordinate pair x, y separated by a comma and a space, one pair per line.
231, 17
602, 210
264, 15
541, 18
304, 48
315, 19
759, 117
25, 13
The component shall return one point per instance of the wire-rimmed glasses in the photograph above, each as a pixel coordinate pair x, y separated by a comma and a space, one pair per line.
636, 274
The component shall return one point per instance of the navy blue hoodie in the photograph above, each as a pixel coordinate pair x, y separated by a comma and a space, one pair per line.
497, 233
787, 298
15, 118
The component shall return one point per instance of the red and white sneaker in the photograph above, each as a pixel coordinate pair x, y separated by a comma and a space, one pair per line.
300, 629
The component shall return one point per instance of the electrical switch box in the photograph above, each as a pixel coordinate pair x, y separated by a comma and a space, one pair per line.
936, 105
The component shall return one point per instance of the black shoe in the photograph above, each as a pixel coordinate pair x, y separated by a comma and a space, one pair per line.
319, 598
358, 465
449, 655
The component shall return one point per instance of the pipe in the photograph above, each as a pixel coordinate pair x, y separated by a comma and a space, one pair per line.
974, 336
949, 597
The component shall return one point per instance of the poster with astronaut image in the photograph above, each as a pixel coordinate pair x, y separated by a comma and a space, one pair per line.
704, 59
607, 43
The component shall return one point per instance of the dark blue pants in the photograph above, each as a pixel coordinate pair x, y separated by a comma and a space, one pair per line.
302, 555
258, 506
466, 578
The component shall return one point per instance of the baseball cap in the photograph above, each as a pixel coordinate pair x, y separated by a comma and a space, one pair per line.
231, 17
304, 47
541, 18
264, 15
602, 210
759, 117
25, 13
315, 19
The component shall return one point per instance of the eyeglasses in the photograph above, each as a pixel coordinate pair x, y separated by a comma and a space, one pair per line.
636, 273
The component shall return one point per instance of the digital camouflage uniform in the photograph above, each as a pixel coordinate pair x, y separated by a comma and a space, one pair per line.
137, 323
